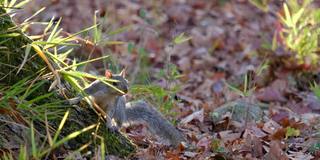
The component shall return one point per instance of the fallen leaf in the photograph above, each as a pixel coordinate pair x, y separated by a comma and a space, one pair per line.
275, 152
273, 93
254, 131
204, 143
198, 115
228, 136
271, 127
190, 154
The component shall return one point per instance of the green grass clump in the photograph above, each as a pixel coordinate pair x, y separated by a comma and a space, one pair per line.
36, 78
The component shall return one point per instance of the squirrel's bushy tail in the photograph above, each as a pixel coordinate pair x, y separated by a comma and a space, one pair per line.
141, 111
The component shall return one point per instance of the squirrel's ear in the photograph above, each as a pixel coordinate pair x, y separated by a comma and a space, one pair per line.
108, 74
123, 73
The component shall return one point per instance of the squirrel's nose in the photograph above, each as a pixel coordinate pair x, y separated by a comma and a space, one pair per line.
125, 90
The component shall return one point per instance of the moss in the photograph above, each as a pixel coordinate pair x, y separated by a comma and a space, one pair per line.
12, 53
116, 143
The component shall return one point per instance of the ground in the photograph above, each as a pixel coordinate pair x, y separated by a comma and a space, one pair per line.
230, 41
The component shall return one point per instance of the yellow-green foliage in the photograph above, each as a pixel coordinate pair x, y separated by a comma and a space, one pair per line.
300, 30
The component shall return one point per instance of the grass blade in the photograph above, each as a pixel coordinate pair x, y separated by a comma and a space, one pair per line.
67, 138
63, 121
33, 143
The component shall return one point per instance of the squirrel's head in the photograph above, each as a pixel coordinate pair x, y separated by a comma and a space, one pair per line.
121, 84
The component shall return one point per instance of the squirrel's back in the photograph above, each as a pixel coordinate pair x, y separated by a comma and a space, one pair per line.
114, 103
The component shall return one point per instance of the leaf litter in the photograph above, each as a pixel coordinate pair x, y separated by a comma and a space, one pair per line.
279, 122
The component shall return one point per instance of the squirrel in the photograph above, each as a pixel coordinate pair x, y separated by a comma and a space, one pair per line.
113, 102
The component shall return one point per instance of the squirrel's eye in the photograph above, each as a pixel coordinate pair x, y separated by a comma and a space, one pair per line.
114, 83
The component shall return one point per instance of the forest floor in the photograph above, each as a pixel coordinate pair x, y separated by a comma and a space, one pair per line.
267, 109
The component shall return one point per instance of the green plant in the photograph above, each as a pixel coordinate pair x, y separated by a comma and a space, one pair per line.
314, 148
216, 146
261, 4
299, 31
246, 89
159, 95
290, 132
315, 88
141, 74
249, 86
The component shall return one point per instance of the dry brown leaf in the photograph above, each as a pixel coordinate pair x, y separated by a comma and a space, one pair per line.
198, 115
254, 131
275, 152
273, 93
228, 136
271, 127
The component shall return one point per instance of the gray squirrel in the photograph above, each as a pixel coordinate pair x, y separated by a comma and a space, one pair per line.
114, 104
